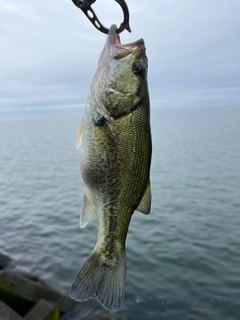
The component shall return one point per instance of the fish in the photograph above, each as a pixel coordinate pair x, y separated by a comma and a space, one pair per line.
114, 139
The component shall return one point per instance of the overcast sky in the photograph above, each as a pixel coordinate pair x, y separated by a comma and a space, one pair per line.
49, 51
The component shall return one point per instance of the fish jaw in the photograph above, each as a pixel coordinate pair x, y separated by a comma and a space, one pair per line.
117, 89
113, 48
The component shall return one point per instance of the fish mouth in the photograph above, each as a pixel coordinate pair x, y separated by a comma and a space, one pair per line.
122, 51
114, 96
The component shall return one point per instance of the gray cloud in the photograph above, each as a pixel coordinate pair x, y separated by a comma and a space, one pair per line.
49, 51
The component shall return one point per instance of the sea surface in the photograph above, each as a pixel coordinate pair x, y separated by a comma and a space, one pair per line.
183, 258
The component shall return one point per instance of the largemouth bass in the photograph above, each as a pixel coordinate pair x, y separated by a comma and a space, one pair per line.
115, 151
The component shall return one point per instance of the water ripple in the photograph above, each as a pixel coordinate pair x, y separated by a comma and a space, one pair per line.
183, 259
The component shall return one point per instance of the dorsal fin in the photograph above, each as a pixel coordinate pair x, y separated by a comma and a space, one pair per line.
145, 204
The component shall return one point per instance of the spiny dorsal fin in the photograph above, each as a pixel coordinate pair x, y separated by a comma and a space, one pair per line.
88, 211
145, 204
79, 135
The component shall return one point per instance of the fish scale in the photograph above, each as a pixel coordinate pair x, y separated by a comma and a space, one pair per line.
115, 156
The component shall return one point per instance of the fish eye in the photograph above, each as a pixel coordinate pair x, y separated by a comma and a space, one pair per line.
137, 67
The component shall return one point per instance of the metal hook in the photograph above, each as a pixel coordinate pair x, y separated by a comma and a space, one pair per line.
85, 6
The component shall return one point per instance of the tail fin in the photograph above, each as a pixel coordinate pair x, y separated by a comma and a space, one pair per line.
101, 279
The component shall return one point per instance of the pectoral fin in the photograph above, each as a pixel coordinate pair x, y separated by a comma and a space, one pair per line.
80, 135
88, 211
145, 204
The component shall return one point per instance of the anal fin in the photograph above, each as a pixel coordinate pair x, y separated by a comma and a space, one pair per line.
145, 204
88, 211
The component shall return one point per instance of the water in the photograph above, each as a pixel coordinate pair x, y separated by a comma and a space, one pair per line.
183, 259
